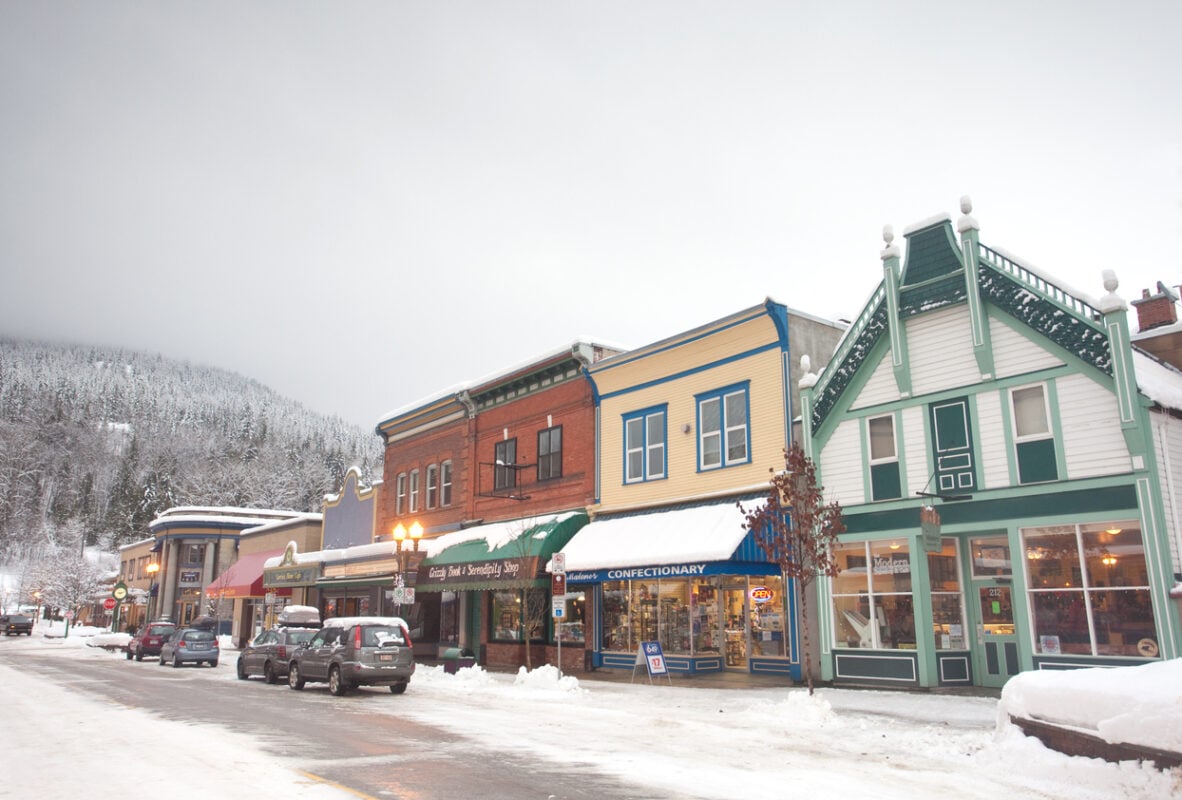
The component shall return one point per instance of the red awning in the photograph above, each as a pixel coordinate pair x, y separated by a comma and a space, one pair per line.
244, 578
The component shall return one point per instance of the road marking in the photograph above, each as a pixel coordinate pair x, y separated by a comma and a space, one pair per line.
335, 785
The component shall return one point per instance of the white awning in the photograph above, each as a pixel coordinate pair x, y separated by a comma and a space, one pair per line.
701, 533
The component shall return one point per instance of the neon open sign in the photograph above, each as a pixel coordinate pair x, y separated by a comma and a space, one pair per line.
761, 594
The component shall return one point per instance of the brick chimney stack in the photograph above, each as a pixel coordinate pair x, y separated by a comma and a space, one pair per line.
1154, 311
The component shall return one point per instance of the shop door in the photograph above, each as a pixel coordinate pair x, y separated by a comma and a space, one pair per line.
995, 651
734, 614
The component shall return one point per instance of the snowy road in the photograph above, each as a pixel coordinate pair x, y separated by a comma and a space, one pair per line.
578, 738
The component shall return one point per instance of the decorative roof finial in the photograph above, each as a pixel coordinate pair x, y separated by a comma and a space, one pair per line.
1111, 301
967, 223
891, 250
809, 379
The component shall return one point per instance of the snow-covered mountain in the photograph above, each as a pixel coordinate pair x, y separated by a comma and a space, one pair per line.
95, 441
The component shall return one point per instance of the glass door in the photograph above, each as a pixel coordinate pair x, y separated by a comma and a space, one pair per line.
995, 646
734, 614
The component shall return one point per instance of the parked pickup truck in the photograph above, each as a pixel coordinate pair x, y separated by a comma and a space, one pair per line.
16, 624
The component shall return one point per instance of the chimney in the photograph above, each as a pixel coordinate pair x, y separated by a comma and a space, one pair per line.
1154, 311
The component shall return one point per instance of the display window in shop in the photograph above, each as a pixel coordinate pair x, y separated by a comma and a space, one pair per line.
514, 612
948, 610
732, 615
872, 600
1089, 590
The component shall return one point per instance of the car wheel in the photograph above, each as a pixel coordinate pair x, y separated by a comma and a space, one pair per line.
129, 655
397, 688
161, 662
139, 655
269, 674
241, 671
337, 684
176, 661
294, 679
213, 663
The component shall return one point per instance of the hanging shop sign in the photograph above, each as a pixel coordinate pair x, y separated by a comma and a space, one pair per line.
929, 525
501, 569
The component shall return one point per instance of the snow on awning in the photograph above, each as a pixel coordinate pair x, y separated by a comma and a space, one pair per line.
244, 578
705, 533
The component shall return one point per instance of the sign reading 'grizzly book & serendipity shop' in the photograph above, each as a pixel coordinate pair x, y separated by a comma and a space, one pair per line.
499, 570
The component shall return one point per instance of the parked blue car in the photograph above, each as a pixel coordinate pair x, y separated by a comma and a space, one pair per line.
190, 645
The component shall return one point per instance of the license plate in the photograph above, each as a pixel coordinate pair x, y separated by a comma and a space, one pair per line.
385, 656
199, 646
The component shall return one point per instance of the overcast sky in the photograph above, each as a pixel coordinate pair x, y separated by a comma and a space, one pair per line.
361, 204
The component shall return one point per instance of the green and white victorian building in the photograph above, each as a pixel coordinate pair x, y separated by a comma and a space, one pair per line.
1002, 454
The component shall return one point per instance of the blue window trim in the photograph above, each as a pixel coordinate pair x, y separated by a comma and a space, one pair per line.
643, 414
719, 394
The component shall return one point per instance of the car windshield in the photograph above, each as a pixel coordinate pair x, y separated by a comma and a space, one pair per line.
300, 637
160, 630
377, 636
198, 636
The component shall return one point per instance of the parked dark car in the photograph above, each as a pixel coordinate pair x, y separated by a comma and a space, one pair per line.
270, 651
355, 651
16, 624
190, 645
149, 639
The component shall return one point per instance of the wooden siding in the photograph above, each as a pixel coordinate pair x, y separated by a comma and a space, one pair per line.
709, 345
766, 427
881, 387
1167, 442
941, 351
1092, 440
842, 472
993, 451
916, 450
1014, 354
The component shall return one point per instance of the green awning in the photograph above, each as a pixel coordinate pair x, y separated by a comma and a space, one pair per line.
360, 580
515, 562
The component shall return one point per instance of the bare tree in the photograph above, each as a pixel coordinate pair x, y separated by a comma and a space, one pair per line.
797, 530
70, 581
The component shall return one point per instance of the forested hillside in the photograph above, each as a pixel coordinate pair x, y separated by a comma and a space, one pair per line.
95, 442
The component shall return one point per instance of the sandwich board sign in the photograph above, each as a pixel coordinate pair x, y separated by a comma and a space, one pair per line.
651, 656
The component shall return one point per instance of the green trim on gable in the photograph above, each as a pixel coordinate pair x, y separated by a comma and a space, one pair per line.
931, 253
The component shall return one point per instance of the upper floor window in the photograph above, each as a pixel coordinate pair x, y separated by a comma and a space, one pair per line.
400, 493
414, 491
1034, 443
193, 554
445, 483
550, 453
885, 482
644, 445
722, 428
432, 485
504, 471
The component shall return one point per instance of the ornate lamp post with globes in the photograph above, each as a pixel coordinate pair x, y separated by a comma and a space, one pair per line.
406, 541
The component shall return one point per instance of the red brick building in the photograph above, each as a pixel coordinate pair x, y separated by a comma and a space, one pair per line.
494, 474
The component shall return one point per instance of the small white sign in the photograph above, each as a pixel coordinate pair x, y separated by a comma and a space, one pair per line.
558, 562
404, 595
558, 608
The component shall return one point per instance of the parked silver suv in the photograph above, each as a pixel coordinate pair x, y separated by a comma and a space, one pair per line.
355, 651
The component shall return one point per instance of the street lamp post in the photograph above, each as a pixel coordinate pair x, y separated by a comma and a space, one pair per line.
401, 536
152, 569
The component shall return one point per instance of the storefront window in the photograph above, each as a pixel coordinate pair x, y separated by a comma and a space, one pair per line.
948, 626
1089, 590
873, 606
572, 628
706, 616
510, 623
449, 617
507, 623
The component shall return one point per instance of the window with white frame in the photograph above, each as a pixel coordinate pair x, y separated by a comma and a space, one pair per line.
432, 485
445, 484
400, 493
644, 445
872, 599
414, 491
723, 436
885, 480
1034, 442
